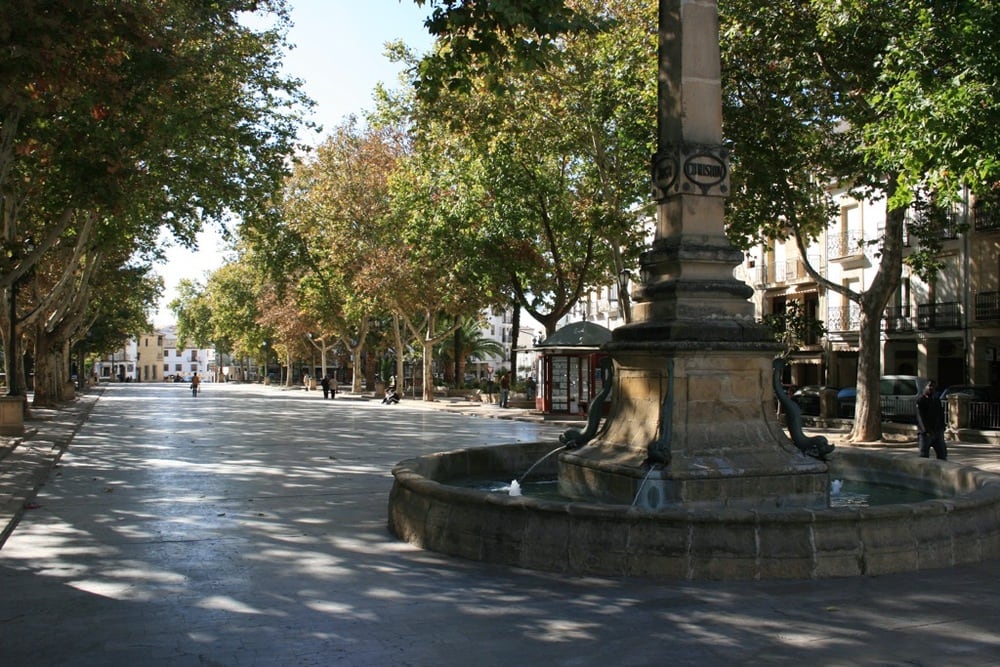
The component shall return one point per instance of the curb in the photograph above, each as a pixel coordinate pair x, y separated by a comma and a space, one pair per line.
28, 461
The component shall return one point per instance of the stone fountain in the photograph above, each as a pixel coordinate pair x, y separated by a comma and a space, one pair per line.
691, 475
693, 372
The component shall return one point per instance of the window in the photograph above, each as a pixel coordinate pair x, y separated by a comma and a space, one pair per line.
194, 355
179, 368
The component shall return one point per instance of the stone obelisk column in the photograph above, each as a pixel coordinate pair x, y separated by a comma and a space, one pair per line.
692, 419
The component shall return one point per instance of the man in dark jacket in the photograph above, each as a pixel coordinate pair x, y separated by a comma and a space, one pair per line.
930, 423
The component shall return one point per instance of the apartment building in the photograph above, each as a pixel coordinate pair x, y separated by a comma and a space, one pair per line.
498, 325
181, 362
947, 328
149, 356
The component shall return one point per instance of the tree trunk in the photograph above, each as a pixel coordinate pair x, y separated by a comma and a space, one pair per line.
428, 378
515, 329
456, 347
46, 361
65, 377
11, 347
357, 363
868, 411
397, 334
461, 371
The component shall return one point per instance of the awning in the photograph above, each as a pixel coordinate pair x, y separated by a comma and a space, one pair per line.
577, 336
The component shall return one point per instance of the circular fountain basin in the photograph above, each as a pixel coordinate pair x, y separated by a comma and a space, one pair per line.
429, 508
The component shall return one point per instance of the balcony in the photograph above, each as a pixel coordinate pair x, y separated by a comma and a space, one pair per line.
949, 222
767, 274
843, 318
898, 319
846, 244
795, 268
986, 215
987, 307
936, 316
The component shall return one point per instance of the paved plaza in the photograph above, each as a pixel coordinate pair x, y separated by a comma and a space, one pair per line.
248, 527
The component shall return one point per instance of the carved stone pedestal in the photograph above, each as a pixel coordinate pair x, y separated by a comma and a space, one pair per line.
693, 427
12, 415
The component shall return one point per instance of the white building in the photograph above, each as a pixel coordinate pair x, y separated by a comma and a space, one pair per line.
155, 357
184, 362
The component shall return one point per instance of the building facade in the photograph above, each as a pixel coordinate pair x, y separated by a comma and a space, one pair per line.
947, 328
181, 363
155, 357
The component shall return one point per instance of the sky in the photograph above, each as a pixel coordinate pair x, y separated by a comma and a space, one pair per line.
339, 56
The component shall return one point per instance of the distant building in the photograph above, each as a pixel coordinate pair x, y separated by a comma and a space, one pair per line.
180, 362
155, 357
119, 366
149, 357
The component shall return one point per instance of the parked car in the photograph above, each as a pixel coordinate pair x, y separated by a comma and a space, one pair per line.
979, 393
808, 398
847, 398
898, 397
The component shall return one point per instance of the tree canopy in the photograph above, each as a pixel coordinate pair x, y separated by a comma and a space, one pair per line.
119, 118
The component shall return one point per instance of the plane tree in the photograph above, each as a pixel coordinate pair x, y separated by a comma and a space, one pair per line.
139, 115
895, 101
334, 234
225, 310
857, 95
427, 275
556, 157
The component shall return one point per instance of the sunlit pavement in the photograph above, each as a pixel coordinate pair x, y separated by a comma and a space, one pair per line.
248, 527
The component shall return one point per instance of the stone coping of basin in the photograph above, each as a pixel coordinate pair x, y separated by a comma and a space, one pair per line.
726, 543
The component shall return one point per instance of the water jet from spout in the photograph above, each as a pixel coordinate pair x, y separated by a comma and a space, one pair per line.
538, 462
642, 484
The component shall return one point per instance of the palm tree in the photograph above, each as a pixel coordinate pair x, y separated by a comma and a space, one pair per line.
468, 343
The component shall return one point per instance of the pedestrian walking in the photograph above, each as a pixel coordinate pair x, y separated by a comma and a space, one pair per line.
504, 390
930, 423
325, 384
195, 383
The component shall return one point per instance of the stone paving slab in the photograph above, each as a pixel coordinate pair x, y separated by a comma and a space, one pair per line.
247, 527
26, 460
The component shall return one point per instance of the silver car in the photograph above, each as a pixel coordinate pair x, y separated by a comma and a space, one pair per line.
898, 396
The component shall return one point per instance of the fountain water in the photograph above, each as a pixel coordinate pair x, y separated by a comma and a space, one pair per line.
538, 463
641, 485
691, 437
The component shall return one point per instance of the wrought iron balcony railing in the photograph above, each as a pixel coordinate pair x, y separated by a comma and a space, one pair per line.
987, 306
939, 315
843, 318
986, 215
846, 244
897, 318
